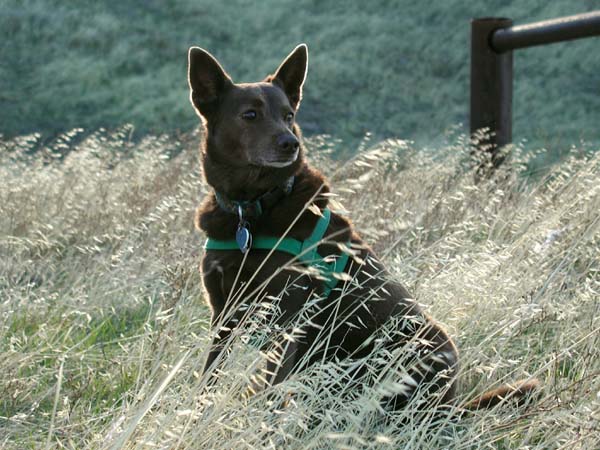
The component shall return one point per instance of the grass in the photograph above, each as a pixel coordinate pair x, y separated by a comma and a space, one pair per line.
404, 65
104, 327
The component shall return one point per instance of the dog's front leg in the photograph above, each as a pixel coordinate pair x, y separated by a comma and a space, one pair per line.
222, 319
218, 344
282, 361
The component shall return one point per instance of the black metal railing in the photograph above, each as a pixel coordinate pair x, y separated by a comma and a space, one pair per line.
492, 42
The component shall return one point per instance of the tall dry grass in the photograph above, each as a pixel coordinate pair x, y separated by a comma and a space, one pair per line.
104, 326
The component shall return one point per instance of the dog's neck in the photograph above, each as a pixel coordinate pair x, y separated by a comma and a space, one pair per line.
255, 208
220, 224
246, 183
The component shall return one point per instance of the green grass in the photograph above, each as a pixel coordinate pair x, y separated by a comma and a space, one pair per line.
104, 328
392, 68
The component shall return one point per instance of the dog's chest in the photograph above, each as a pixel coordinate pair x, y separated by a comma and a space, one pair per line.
257, 278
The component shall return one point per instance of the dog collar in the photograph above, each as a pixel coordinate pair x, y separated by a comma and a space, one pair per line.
254, 208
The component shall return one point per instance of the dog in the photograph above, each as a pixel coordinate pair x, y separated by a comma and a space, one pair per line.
264, 192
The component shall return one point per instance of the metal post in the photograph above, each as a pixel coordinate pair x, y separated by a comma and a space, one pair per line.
491, 88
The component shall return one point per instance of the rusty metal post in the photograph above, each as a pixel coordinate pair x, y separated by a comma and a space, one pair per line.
491, 89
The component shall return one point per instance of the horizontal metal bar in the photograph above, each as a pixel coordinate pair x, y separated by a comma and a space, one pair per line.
546, 32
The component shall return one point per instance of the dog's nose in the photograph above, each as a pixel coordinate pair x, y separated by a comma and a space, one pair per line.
288, 142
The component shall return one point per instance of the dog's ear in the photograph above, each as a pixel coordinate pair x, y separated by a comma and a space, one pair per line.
207, 79
291, 74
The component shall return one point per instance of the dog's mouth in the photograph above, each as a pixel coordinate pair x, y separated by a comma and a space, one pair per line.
279, 162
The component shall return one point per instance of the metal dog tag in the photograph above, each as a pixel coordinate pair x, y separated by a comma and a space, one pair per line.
243, 237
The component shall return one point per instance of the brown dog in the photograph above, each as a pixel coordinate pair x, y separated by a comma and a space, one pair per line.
264, 190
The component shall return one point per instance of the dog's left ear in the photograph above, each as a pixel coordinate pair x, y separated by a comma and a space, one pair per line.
291, 74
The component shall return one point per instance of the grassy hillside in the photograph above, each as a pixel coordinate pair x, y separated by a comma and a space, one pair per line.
103, 327
392, 68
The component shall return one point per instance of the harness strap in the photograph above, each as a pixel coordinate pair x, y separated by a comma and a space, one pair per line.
306, 251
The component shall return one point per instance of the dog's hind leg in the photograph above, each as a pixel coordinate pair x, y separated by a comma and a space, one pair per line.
426, 368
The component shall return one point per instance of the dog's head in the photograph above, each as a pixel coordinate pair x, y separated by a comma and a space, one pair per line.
249, 124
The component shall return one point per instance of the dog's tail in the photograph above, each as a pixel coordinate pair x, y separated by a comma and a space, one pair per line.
517, 392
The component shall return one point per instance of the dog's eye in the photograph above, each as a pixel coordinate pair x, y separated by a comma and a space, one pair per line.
289, 117
249, 115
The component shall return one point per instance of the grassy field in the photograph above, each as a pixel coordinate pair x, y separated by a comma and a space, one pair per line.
103, 325
103, 322
392, 68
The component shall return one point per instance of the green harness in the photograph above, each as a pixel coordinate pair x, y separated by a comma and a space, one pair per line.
305, 251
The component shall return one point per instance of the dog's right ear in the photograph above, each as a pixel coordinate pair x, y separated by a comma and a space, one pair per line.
207, 79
